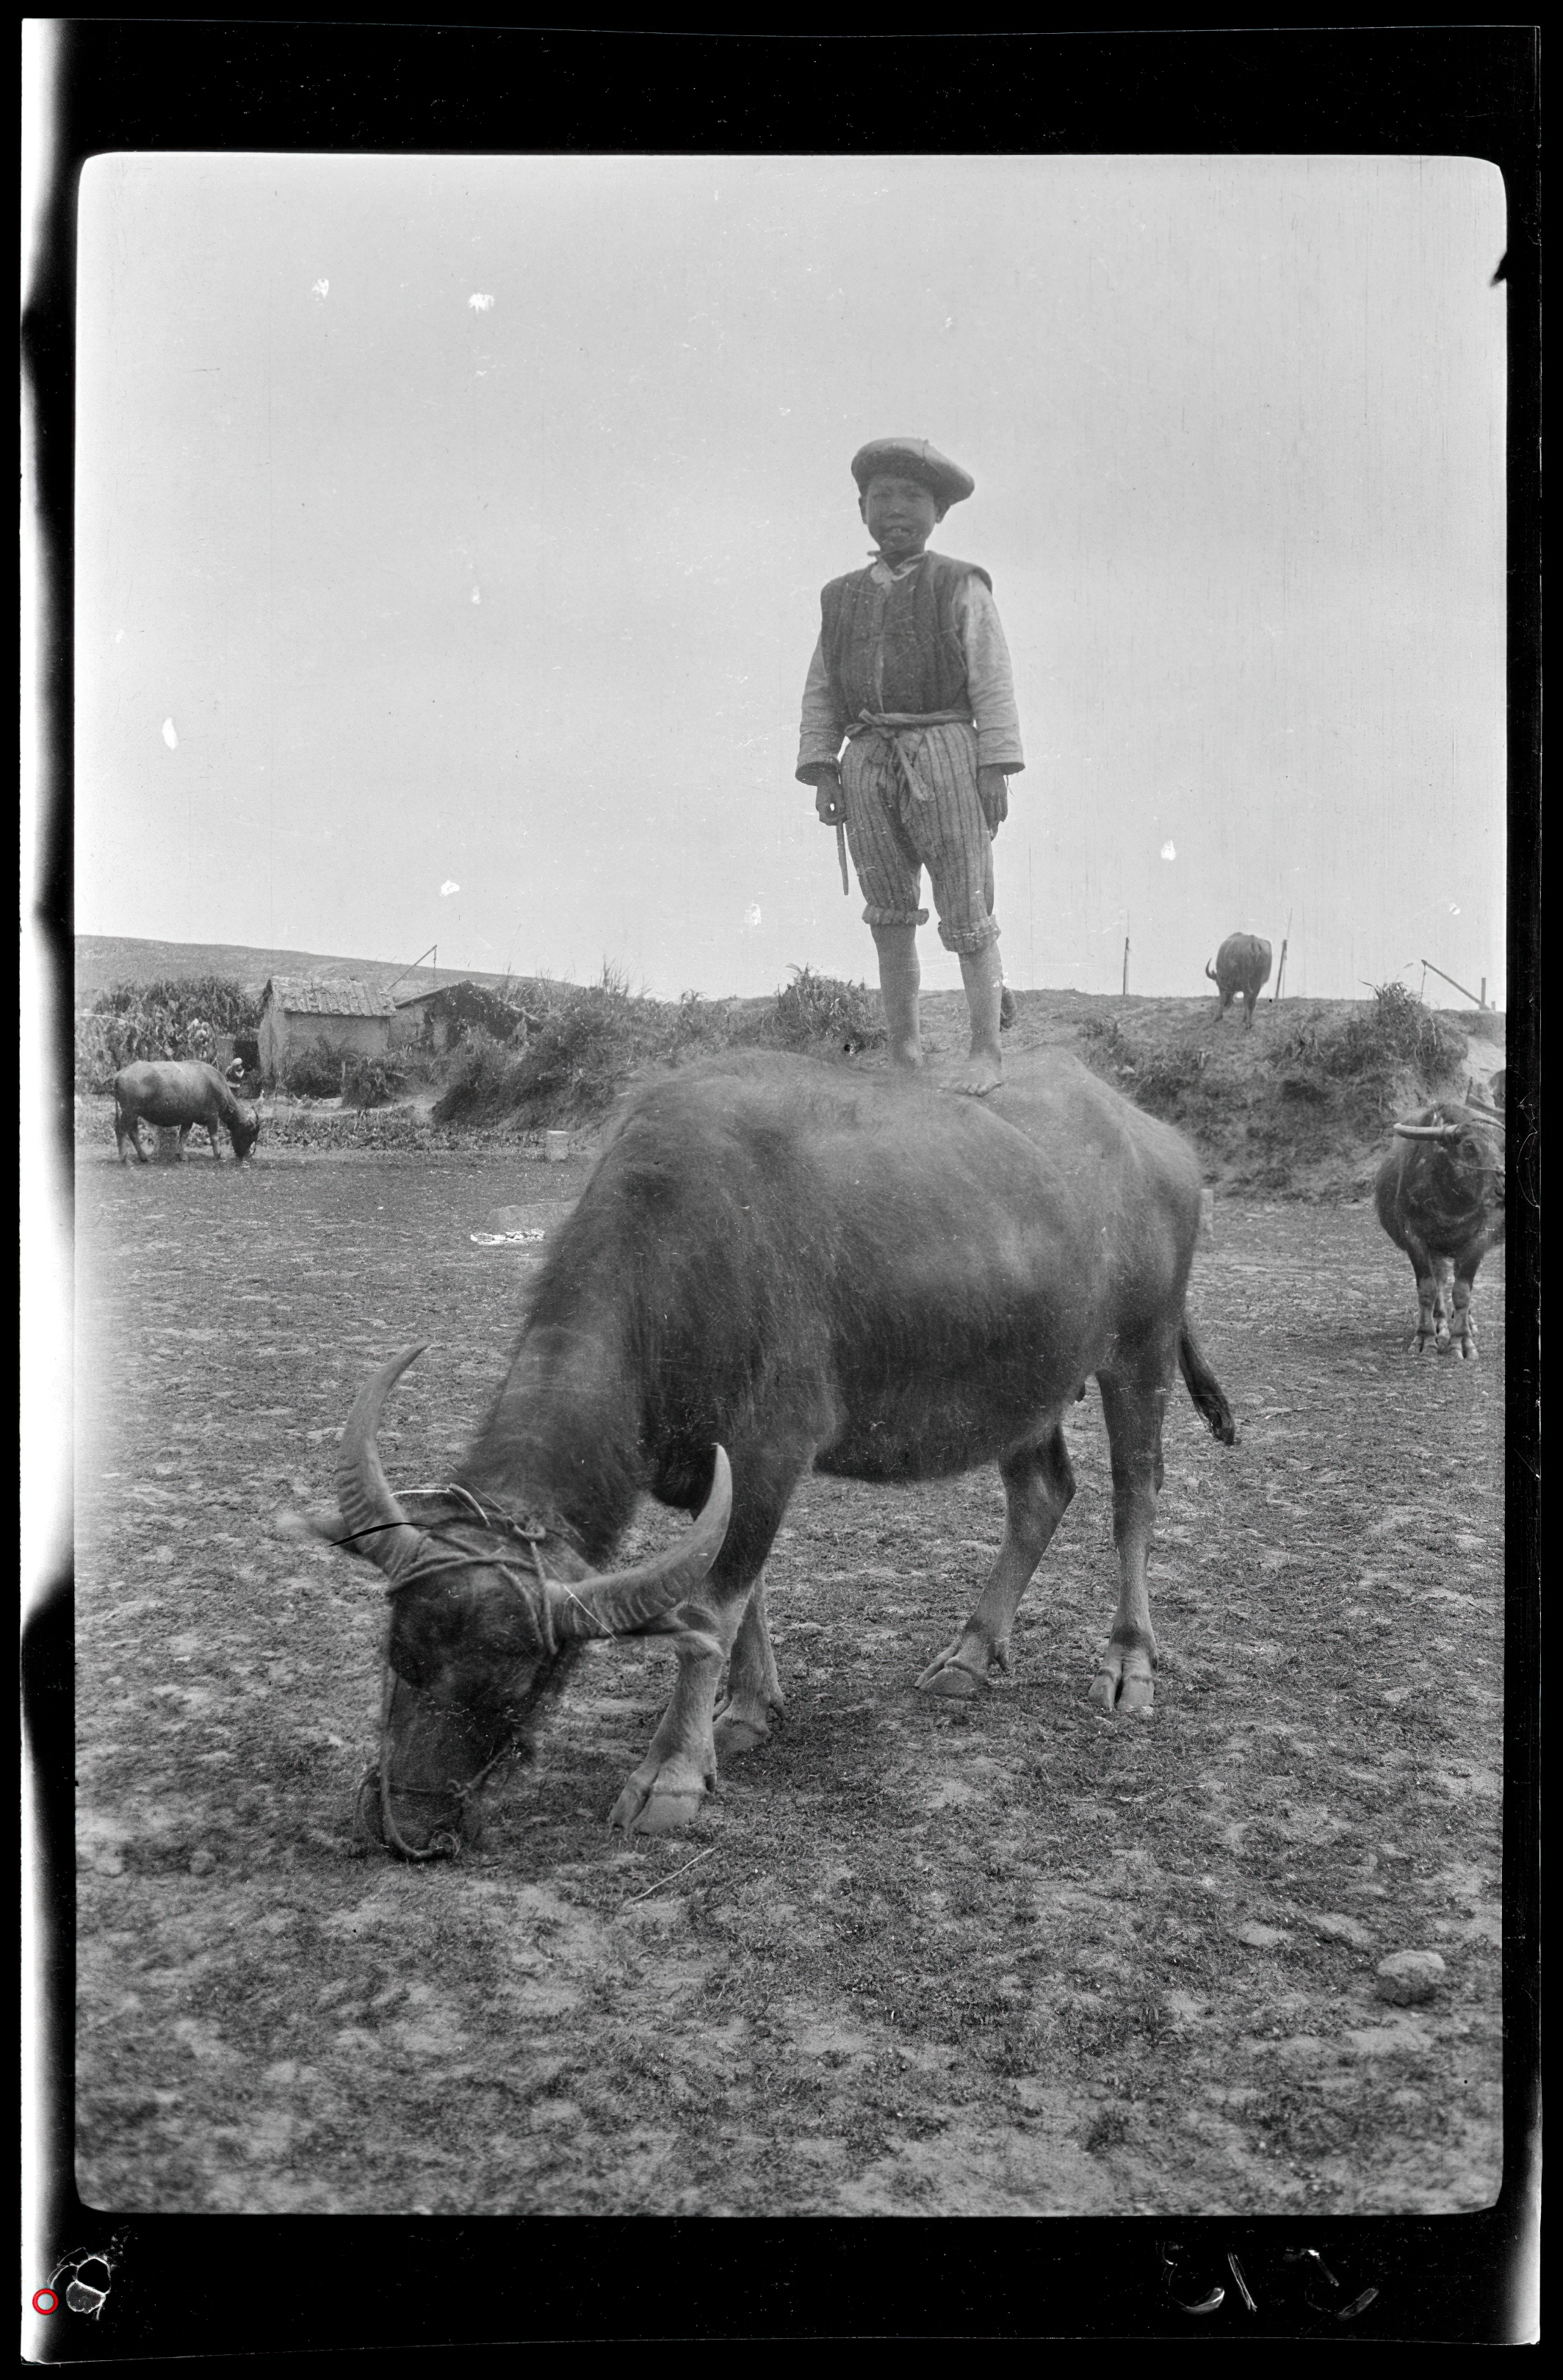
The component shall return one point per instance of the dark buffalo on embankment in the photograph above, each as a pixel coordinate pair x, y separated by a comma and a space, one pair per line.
1242, 966
804, 1268
182, 1093
1440, 1197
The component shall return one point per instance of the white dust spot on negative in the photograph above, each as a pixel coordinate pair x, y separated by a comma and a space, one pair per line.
1170, 850
168, 736
319, 289
752, 914
476, 596
1454, 908
119, 635
479, 304
448, 887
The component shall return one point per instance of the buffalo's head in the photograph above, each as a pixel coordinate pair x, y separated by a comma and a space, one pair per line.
1471, 1147
487, 1616
246, 1132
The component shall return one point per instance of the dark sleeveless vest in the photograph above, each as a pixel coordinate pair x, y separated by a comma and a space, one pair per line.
914, 624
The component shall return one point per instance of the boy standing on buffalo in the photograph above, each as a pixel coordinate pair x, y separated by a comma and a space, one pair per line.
912, 671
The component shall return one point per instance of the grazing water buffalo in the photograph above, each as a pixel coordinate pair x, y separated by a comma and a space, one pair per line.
184, 1092
1242, 965
806, 1268
1440, 1197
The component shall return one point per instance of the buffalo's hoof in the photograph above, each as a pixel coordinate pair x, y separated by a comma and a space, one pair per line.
956, 1680
660, 1814
735, 1734
1115, 1689
659, 1805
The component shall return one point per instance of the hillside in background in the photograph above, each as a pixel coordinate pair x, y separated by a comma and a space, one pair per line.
104, 959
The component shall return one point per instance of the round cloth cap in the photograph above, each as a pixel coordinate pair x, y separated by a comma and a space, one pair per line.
912, 458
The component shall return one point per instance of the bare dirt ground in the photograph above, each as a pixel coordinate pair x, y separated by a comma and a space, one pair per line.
1019, 1959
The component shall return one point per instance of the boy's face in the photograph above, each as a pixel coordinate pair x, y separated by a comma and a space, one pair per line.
900, 515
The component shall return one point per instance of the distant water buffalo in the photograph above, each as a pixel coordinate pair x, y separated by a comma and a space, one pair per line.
1242, 965
1440, 1197
811, 1270
183, 1093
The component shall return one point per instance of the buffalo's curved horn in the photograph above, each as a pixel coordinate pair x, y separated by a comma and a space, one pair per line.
371, 1513
1429, 1131
619, 1602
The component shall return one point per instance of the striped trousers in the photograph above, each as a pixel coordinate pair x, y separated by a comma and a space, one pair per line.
895, 830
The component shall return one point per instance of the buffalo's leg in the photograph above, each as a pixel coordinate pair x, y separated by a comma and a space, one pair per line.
1464, 1312
680, 1767
1432, 1321
127, 1133
1133, 1404
754, 1690
1039, 1483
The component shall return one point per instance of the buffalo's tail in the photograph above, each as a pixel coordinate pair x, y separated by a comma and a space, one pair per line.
1203, 1387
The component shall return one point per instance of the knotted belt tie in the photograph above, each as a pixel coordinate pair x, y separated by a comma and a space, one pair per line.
891, 726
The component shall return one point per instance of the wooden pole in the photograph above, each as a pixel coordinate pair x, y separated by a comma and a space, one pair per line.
1459, 987
1482, 1001
1125, 966
1281, 969
432, 952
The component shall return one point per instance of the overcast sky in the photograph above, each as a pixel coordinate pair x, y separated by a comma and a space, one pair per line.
451, 531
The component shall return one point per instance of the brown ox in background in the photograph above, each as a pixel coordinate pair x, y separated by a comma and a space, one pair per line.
1242, 965
182, 1093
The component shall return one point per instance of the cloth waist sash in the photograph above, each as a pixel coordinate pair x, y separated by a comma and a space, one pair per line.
894, 726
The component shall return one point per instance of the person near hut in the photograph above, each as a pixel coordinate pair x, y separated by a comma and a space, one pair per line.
909, 738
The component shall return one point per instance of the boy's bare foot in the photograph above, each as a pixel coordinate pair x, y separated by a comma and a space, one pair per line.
975, 1075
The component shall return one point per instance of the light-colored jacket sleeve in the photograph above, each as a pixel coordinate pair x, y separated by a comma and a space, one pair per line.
820, 739
987, 677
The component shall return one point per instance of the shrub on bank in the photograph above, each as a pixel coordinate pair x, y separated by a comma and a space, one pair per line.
582, 1051
370, 1082
820, 1009
313, 1070
572, 1068
1378, 1042
1321, 1095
